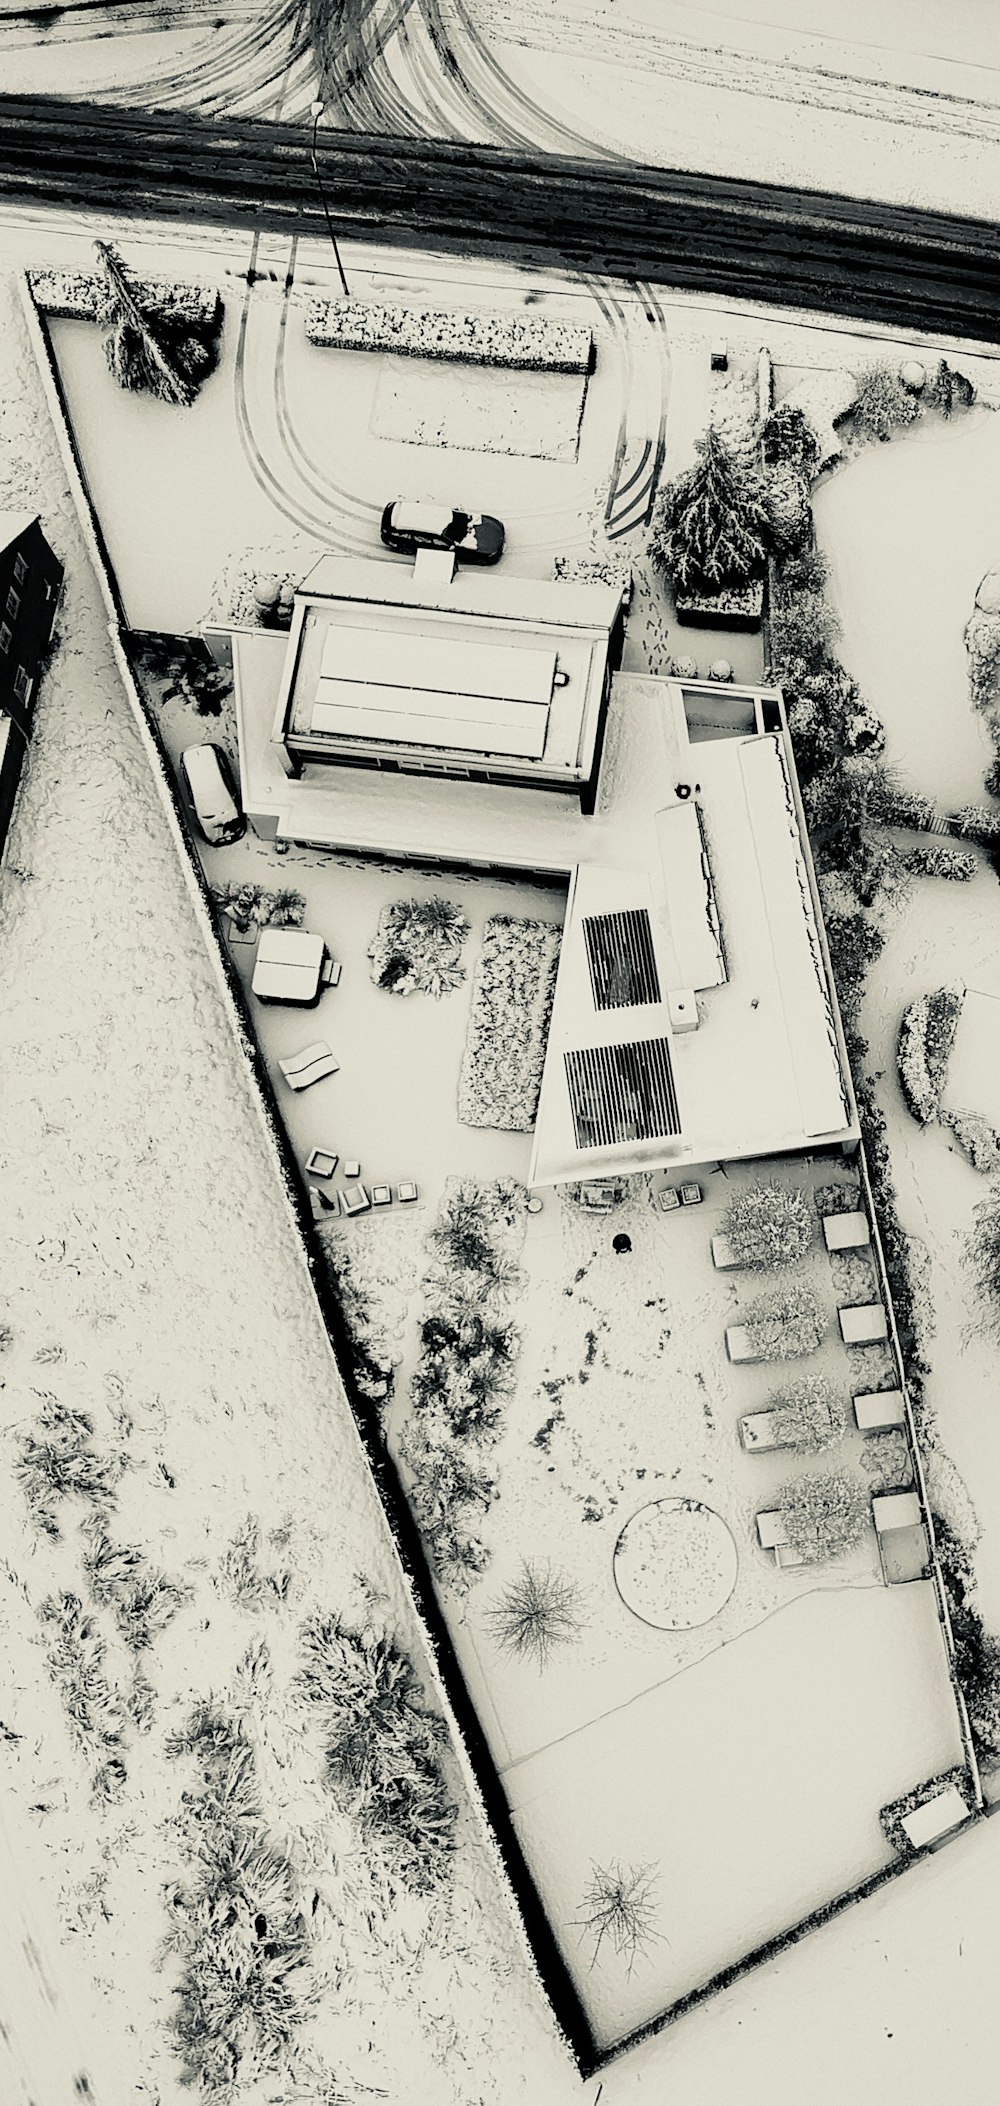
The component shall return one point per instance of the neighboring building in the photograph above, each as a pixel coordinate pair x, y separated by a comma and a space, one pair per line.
30, 578
462, 674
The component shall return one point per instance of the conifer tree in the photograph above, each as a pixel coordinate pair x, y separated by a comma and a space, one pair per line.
710, 527
146, 353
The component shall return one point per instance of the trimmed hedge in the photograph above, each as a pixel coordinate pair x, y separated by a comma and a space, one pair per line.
530, 343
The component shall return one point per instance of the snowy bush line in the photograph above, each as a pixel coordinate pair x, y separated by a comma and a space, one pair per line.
468, 1350
926, 1036
81, 296
512, 991
978, 1140
825, 1514
529, 342
891, 1816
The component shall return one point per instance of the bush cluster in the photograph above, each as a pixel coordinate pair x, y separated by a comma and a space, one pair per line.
383, 1748
983, 1251
883, 403
465, 1372
810, 1413
768, 1224
785, 1322
977, 1139
417, 947
824, 1514
977, 1651
56, 1459
891, 1816
923, 1048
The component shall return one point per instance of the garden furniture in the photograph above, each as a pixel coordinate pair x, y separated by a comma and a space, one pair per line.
534, 1204
242, 935
691, 1195
846, 1231
786, 1556
321, 1163
738, 1344
300, 1070
877, 1410
863, 1323
330, 972
668, 1199
935, 1818
354, 1199
288, 966
381, 1196
406, 1193
598, 1199
352, 1169
722, 1255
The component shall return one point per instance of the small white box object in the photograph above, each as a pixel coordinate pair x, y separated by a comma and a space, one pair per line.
895, 1510
876, 1410
936, 1817
406, 1192
352, 1170
691, 1195
846, 1231
738, 1343
354, 1199
772, 1529
668, 1199
381, 1196
321, 1163
720, 355
682, 1009
863, 1323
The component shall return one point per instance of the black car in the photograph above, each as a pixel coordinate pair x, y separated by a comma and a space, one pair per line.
411, 524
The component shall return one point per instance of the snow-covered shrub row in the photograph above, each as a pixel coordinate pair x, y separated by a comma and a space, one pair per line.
383, 1749
768, 1224
512, 992
373, 1285
82, 296
468, 1349
926, 1036
530, 342
891, 1816
595, 570
936, 859
785, 1322
417, 947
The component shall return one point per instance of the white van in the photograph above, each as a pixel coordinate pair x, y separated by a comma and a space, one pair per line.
212, 793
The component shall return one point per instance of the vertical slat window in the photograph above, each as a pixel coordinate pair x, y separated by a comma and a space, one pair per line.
620, 959
622, 1093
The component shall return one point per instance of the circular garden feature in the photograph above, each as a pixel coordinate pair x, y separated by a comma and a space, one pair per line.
675, 1564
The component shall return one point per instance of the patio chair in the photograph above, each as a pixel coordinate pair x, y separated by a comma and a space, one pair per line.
846, 1231
309, 1066
863, 1323
330, 972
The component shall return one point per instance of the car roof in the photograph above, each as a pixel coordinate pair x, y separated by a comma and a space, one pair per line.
419, 517
202, 762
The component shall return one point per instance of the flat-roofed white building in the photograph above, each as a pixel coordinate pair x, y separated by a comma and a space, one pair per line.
471, 675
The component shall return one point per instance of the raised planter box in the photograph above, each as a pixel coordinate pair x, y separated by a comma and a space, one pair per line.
863, 1323
846, 1231
875, 1411
80, 295
722, 610
529, 342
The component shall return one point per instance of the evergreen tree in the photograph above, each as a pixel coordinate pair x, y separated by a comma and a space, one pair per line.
710, 527
147, 353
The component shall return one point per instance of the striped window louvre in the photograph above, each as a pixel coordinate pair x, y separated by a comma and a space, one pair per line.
622, 1093
620, 958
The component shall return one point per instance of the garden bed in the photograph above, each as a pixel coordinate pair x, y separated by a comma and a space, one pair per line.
511, 1006
722, 610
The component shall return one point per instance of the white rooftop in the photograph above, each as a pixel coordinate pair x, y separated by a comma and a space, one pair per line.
972, 1083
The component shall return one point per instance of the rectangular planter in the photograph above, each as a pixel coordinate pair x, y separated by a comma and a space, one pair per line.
722, 610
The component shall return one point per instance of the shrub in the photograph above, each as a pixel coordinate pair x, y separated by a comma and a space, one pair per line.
886, 1461
891, 1816
768, 1224
56, 1460
883, 403
979, 823
288, 908
244, 902
789, 512
538, 1611
982, 642
512, 992
947, 390
811, 1415
923, 1048
710, 527
977, 1139
785, 1322
237, 1926
618, 1905
383, 1748
804, 630
417, 947
806, 570
247, 1582
786, 436
142, 1599
825, 1514
151, 354
76, 1655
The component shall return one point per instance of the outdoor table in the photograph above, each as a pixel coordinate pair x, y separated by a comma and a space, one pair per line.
288, 967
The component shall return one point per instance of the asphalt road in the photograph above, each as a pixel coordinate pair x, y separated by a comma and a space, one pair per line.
907, 269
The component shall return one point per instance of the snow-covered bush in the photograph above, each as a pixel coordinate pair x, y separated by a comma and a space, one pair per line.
936, 859
810, 1414
56, 1459
788, 440
983, 1252
977, 1139
76, 1657
531, 343
885, 1460
465, 1371
768, 1224
237, 1925
891, 1816
373, 1304
604, 569
383, 1748
539, 1610
824, 1514
512, 992
923, 1048
79, 295
417, 947
142, 1599
979, 823
982, 642
709, 532
804, 630
788, 508
785, 1322
883, 403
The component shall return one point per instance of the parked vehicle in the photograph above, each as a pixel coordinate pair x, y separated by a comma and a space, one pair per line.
409, 525
212, 794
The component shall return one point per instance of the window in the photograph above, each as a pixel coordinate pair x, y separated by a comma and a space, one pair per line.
22, 684
13, 604
20, 570
6, 637
622, 1093
620, 957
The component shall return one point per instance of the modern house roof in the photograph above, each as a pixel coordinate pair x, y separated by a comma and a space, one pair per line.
13, 525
